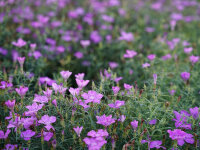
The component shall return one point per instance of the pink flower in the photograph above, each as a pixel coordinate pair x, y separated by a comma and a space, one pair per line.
85, 43
105, 120
117, 104
126, 36
115, 90
21, 61
47, 135
4, 136
185, 76
188, 50
65, 74
122, 118
22, 91
82, 83
48, 120
54, 102
78, 130
151, 57
181, 136
194, 59
10, 104
40, 99
27, 134
92, 96
155, 78
152, 122
134, 124
33, 109
130, 54
20, 43
145, 65
5, 85
80, 76
74, 91
127, 86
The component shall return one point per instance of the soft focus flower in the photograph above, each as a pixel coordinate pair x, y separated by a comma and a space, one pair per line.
115, 90
194, 59
122, 118
65, 74
5, 85
47, 120
21, 61
92, 96
96, 140
181, 136
155, 78
181, 119
22, 91
188, 50
4, 136
80, 76
145, 65
151, 57
134, 124
33, 109
130, 54
41, 99
172, 92
85, 43
27, 134
82, 83
194, 112
47, 135
126, 36
156, 144
152, 122
117, 104
10, 104
78, 130
20, 43
105, 120
185, 76
127, 86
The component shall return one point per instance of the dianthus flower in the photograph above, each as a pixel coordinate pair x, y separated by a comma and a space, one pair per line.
181, 136
117, 104
105, 120
47, 120
181, 120
27, 134
185, 76
92, 96
130, 54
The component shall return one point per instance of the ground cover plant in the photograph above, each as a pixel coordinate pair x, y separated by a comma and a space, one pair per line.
99, 74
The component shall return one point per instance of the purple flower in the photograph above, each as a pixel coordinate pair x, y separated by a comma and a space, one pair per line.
185, 76
151, 57
54, 102
85, 43
47, 120
122, 118
46, 80
5, 85
47, 135
134, 124
74, 91
181, 136
152, 122
82, 83
48, 93
145, 65
33, 109
21, 61
4, 136
127, 86
115, 90
117, 104
130, 54
188, 50
194, 112
65, 74
113, 65
105, 120
27, 134
126, 36
10, 147
155, 78
96, 140
20, 43
41, 99
172, 92
181, 120
95, 37
80, 76
10, 104
78, 55
78, 130
166, 57
92, 96
22, 91
194, 59
156, 144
